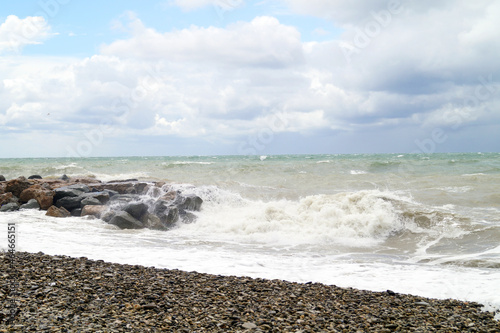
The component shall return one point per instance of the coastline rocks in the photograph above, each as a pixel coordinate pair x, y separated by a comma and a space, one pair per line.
124, 220
2, 178
42, 195
10, 207
57, 212
35, 177
31, 204
93, 210
129, 204
16, 186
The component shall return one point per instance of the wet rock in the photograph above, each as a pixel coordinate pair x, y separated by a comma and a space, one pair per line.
9, 207
90, 201
152, 221
41, 194
76, 212
2, 178
94, 210
35, 177
31, 204
124, 220
122, 187
190, 202
137, 209
69, 203
64, 177
102, 196
66, 191
57, 212
6, 198
16, 186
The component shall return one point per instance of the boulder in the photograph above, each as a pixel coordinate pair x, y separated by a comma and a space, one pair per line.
122, 187
94, 210
103, 196
70, 203
136, 209
76, 212
90, 201
152, 221
190, 202
63, 192
124, 220
31, 204
167, 213
57, 212
16, 186
124, 198
35, 177
9, 207
2, 178
64, 177
6, 198
169, 196
43, 196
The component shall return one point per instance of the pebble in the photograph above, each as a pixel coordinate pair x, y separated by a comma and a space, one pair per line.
64, 294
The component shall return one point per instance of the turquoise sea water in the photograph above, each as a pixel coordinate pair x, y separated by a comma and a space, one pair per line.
425, 224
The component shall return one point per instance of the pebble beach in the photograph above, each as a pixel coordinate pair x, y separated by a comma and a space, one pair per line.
65, 294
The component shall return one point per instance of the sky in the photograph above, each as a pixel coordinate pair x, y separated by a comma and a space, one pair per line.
211, 77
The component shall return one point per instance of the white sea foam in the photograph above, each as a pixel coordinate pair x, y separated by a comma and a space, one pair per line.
358, 172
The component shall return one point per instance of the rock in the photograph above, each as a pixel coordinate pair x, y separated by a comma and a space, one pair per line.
63, 192
76, 212
43, 196
124, 220
249, 325
124, 198
70, 203
190, 202
16, 186
94, 210
9, 207
90, 201
31, 204
6, 198
107, 215
57, 212
152, 221
64, 177
169, 196
2, 178
166, 212
35, 177
137, 210
103, 196
122, 187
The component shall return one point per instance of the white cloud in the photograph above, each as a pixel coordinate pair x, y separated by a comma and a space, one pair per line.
261, 42
15, 33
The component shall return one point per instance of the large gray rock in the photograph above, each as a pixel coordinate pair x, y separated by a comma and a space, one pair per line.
69, 203
124, 220
9, 207
167, 213
2, 178
90, 201
57, 212
136, 209
190, 202
31, 204
103, 196
63, 192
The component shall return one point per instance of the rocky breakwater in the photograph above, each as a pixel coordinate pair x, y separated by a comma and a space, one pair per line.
128, 204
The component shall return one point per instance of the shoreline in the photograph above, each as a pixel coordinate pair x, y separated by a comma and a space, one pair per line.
82, 295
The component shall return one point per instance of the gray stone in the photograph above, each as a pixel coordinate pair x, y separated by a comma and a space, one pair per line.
70, 203
76, 212
90, 201
190, 202
31, 204
2, 178
124, 220
103, 196
152, 221
136, 209
9, 207
35, 177
63, 192
64, 177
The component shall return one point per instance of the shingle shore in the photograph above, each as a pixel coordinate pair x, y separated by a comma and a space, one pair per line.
64, 294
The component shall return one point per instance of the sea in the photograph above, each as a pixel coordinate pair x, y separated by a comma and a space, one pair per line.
421, 224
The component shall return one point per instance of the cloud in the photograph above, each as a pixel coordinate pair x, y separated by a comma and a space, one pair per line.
15, 33
262, 42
